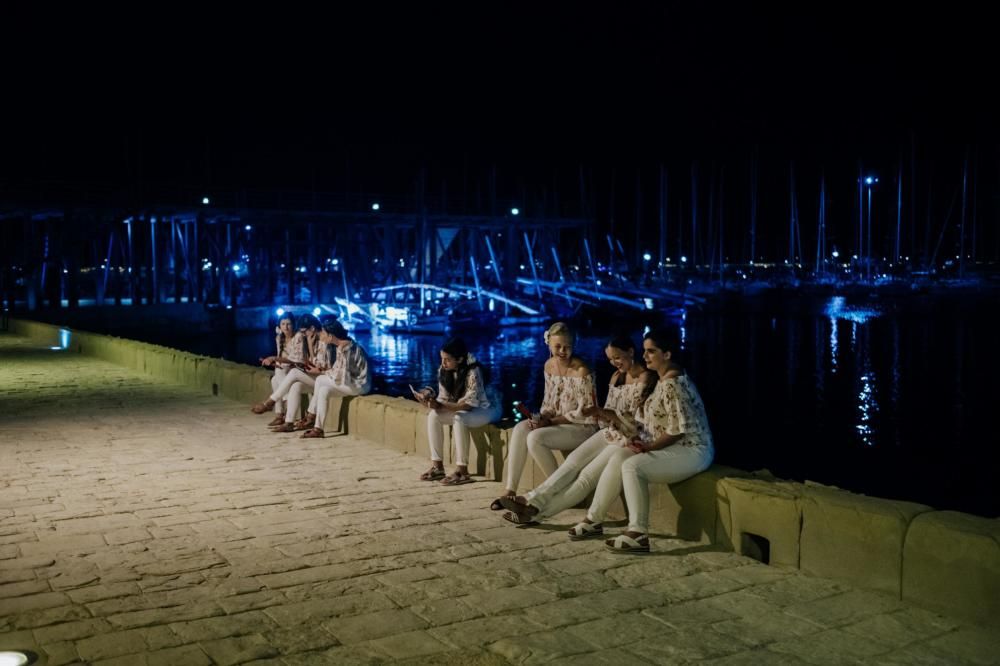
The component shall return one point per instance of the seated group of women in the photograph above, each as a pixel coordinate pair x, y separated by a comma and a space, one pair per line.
652, 428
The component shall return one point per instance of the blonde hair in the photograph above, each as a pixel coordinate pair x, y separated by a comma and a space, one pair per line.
559, 329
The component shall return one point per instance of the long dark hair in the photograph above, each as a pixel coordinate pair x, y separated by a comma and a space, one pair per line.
304, 322
667, 340
454, 381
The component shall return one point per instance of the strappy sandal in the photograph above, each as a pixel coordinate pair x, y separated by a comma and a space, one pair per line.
284, 427
433, 474
519, 519
495, 505
262, 407
304, 423
313, 433
276, 421
585, 530
511, 504
626, 544
456, 479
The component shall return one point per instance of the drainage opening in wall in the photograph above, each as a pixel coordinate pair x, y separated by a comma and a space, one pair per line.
215, 389
756, 547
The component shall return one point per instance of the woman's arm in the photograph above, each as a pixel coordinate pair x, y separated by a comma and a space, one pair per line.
659, 443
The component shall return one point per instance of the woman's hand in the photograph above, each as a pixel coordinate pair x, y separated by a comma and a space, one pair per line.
636, 446
267, 362
541, 421
433, 403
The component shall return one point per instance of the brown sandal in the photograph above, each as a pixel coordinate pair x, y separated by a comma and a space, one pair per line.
276, 421
305, 423
284, 427
262, 407
313, 433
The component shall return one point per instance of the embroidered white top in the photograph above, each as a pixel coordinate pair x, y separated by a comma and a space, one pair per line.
475, 391
351, 368
675, 408
569, 396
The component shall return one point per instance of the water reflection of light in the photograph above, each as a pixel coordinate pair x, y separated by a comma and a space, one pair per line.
867, 407
837, 308
833, 345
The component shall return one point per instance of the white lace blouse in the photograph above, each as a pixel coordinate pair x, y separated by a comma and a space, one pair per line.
475, 391
569, 396
675, 408
351, 368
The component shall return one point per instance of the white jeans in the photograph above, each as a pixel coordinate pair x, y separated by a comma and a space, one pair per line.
323, 388
290, 390
593, 463
276, 379
541, 442
460, 423
670, 465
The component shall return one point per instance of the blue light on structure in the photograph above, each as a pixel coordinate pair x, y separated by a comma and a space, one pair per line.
647, 256
237, 268
684, 260
248, 227
515, 211
279, 311
316, 312
204, 201
335, 262
835, 254
375, 206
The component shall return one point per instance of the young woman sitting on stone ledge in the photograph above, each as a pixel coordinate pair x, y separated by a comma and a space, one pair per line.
298, 380
463, 402
348, 376
675, 441
598, 460
289, 347
562, 422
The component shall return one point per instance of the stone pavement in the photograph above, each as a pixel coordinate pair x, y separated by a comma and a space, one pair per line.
143, 523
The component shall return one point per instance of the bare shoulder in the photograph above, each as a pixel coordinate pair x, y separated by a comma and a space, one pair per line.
672, 374
579, 368
550, 366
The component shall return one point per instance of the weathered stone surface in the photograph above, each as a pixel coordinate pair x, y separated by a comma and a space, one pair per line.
951, 562
765, 508
196, 536
855, 538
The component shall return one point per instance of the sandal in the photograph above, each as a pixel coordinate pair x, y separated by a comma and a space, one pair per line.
262, 407
305, 423
626, 544
523, 508
519, 519
313, 433
495, 505
276, 421
585, 530
456, 479
284, 427
433, 474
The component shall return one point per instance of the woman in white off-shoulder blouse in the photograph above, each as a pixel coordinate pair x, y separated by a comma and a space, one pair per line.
563, 422
598, 460
463, 402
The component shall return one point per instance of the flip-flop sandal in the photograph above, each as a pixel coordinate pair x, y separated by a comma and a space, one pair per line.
519, 520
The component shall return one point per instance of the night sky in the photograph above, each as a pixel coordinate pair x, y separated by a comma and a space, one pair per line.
359, 100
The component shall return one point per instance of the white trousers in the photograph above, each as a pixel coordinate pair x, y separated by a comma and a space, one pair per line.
670, 465
595, 465
290, 390
323, 388
276, 379
460, 423
541, 442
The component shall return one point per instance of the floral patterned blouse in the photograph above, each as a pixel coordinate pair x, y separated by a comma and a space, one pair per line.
675, 408
294, 349
475, 391
569, 396
321, 355
351, 368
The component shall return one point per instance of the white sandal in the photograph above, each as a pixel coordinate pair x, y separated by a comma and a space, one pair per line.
582, 531
626, 544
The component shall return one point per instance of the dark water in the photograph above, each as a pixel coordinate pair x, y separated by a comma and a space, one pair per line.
893, 398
